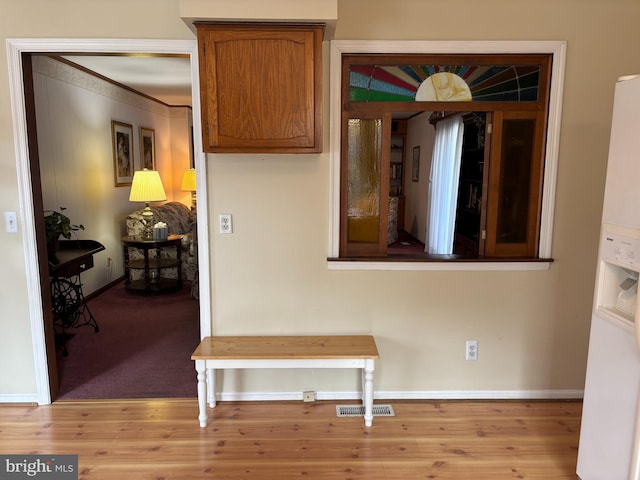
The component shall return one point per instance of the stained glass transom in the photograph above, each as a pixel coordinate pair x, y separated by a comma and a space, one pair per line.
485, 83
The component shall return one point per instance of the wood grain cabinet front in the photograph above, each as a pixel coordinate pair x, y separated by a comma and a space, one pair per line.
261, 87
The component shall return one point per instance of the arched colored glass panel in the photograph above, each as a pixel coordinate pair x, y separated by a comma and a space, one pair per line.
405, 83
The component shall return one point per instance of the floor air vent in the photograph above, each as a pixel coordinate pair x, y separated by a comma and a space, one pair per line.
358, 411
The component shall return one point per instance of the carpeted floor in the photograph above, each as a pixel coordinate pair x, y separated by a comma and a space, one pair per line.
406, 245
143, 348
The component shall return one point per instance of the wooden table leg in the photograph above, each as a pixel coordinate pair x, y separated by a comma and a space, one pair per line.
202, 392
369, 367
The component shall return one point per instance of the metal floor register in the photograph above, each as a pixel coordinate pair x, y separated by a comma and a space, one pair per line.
358, 411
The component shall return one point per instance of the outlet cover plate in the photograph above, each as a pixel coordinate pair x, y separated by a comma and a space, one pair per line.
472, 350
226, 225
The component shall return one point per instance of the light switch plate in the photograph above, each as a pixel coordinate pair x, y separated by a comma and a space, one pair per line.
11, 222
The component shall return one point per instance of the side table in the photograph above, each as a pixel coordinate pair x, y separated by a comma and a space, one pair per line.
152, 265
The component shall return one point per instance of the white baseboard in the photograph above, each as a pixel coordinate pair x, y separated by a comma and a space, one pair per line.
19, 398
482, 395
411, 395
275, 396
380, 395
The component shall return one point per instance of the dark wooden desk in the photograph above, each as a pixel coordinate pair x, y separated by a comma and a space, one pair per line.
69, 307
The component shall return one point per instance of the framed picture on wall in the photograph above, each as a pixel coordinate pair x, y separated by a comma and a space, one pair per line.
122, 143
147, 148
192, 159
415, 167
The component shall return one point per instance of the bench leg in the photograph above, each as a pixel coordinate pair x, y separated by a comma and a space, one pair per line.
367, 387
202, 392
211, 385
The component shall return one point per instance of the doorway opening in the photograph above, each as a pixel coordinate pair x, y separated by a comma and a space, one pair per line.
31, 201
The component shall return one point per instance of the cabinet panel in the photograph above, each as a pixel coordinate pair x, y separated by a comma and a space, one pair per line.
513, 213
260, 87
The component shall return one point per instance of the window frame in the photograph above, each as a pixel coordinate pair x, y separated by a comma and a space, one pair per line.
557, 49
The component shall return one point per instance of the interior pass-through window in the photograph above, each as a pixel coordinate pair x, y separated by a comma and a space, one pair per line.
443, 154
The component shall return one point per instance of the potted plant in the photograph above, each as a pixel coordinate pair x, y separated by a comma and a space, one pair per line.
57, 224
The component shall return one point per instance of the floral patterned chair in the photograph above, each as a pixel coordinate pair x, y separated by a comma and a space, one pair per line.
392, 235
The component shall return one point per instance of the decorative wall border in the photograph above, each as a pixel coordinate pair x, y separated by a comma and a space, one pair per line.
81, 79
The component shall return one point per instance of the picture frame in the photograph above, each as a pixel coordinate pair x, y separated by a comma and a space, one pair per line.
192, 148
123, 158
415, 166
147, 148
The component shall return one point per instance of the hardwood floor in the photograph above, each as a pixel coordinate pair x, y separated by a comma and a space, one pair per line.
161, 439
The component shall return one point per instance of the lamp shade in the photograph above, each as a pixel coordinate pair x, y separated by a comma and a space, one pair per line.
189, 180
147, 187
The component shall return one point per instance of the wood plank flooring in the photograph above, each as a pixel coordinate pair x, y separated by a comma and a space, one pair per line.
161, 440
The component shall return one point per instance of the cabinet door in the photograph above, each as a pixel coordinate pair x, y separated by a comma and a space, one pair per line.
260, 88
365, 193
515, 179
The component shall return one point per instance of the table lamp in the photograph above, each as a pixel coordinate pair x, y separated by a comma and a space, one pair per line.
189, 184
147, 187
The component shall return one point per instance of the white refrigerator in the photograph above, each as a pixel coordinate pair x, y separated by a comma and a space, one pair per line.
609, 447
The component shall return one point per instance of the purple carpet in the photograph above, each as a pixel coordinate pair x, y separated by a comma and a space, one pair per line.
143, 348
406, 245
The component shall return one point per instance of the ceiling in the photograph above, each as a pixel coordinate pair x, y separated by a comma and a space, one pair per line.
165, 78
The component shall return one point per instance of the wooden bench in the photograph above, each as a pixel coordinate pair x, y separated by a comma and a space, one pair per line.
342, 351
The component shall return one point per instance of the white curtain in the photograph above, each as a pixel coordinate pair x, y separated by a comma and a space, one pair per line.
443, 191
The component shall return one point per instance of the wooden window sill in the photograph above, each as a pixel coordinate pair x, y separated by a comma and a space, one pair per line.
437, 262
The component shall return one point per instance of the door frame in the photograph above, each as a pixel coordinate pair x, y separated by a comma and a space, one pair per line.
15, 48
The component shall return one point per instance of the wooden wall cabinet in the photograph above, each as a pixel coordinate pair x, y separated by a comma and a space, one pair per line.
261, 87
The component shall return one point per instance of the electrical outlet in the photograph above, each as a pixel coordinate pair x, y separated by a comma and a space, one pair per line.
225, 223
472, 350
309, 396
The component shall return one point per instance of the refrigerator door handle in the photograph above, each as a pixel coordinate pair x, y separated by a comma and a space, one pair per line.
634, 467
636, 326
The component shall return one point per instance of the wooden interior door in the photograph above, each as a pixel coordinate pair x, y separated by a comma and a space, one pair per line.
38, 209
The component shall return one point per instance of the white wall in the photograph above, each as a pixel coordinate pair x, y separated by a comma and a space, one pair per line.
181, 123
532, 326
272, 276
73, 114
419, 133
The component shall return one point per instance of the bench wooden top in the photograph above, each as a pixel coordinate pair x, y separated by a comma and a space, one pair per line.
286, 347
